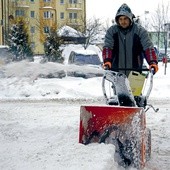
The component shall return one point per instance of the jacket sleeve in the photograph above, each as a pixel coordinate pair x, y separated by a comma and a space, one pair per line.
150, 53
109, 41
151, 56
108, 45
107, 55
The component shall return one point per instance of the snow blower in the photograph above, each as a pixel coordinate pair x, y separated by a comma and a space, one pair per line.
121, 121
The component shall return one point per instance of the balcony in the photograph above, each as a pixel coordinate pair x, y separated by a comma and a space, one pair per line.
46, 5
74, 22
74, 7
21, 4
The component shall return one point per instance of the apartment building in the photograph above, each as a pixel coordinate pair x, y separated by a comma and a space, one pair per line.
167, 29
1, 38
161, 39
41, 16
4, 12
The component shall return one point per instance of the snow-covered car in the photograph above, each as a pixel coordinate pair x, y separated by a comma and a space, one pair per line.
84, 57
5, 55
84, 63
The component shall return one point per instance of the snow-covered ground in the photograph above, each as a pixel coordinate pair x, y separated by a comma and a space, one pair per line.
39, 121
44, 135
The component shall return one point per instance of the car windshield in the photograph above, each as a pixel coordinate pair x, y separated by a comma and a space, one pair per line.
81, 59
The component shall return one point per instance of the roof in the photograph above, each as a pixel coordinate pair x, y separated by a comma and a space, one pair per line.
67, 31
4, 46
87, 52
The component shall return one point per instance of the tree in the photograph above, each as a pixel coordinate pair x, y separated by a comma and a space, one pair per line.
160, 18
91, 31
52, 47
19, 41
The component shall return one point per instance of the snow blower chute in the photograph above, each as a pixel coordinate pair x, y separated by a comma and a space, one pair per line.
121, 121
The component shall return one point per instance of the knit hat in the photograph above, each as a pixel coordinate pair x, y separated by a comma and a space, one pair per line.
126, 11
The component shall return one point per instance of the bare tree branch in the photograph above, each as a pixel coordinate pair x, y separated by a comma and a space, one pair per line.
159, 19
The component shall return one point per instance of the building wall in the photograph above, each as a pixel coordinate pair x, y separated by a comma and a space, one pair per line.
159, 43
53, 10
1, 40
164, 37
4, 13
168, 34
68, 9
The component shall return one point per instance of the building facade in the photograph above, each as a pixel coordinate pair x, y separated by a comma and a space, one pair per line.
158, 39
4, 13
40, 16
161, 40
167, 29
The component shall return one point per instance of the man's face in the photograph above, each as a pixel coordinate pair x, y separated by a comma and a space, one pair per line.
124, 21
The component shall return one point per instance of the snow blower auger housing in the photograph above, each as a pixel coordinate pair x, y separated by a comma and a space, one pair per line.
120, 122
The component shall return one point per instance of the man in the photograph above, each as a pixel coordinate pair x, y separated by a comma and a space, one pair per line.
126, 43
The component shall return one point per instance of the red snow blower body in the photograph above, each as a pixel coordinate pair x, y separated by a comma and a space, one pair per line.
120, 122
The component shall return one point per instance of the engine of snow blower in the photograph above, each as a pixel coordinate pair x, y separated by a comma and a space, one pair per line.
120, 122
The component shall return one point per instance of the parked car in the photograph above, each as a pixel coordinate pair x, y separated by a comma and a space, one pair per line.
84, 57
162, 55
84, 63
5, 55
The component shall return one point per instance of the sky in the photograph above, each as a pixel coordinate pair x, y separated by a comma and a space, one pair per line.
106, 9
39, 119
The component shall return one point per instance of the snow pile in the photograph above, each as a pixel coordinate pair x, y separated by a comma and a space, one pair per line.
33, 80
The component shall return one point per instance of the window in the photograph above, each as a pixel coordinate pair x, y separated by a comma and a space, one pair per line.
47, 0
33, 45
32, 30
46, 29
47, 14
61, 1
72, 15
19, 13
169, 36
31, 0
73, 1
82, 59
32, 14
62, 15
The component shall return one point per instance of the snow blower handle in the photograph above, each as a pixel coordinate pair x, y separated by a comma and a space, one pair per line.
152, 71
121, 93
106, 67
110, 77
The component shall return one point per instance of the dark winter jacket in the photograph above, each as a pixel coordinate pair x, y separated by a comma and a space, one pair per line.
125, 48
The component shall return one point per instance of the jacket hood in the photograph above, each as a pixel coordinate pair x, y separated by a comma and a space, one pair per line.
126, 11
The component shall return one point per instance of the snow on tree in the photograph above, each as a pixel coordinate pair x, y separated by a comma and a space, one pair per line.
91, 31
19, 42
52, 44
